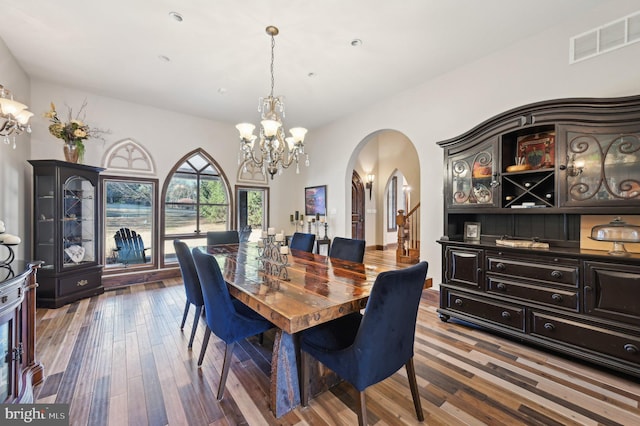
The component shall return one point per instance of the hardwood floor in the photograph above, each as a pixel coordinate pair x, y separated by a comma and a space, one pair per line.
120, 359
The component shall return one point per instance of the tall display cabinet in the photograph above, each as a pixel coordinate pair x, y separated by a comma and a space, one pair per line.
66, 231
518, 191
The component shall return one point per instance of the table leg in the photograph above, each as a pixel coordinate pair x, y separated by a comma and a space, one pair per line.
285, 389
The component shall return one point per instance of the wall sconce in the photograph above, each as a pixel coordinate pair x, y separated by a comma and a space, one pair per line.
369, 184
15, 115
574, 168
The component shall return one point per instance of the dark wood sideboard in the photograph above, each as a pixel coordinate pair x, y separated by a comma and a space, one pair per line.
579, 157
19, 370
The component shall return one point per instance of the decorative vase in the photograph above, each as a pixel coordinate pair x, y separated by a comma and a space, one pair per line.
71, 153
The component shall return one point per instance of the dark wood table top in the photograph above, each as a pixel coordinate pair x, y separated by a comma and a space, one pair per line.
319, 288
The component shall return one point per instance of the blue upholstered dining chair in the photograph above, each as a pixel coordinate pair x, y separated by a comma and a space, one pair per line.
302, 241
222, 237
227, 317
365, 349
347, 249
191, 285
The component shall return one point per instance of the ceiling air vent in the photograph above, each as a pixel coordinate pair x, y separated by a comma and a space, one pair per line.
606, 38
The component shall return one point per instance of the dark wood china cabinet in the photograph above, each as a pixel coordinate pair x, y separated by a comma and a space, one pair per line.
66, 231
525, 178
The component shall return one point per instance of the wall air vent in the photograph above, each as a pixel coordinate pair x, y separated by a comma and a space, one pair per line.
606, 38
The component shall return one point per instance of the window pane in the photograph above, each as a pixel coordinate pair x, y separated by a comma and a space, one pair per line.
212, 191
128, 204
182, 189
180, 219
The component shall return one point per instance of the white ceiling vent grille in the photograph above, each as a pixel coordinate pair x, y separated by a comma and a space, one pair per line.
606, 38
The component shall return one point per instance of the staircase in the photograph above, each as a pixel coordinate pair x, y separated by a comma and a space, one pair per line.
408, 250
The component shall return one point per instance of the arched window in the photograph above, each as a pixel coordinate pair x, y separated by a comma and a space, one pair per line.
196, 199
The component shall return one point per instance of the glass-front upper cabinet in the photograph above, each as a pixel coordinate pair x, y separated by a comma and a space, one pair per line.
65, 221
471, 177
66, 231
601, 168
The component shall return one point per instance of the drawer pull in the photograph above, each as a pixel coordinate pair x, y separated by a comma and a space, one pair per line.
556, 274
556, 297
82, 283
632, 349
549, 326
501, 287
506, 315
458, 302
500, 266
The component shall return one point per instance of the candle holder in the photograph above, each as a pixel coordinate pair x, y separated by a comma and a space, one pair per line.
326, 226
273, 257
6, 263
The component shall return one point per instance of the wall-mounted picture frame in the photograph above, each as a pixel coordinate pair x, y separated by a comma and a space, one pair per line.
472, 232
315, 200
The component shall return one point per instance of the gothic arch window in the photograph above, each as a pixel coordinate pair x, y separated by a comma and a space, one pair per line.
128, 156
196, 198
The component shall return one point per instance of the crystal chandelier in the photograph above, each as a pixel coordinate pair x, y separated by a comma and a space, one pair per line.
15, 116
274, 152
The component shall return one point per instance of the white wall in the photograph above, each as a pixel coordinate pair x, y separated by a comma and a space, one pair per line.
533, 70
15, 189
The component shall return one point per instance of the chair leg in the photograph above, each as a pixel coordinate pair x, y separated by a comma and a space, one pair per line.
228, 352
304, 378
196, 318
205, 342
413, 384
362, 409
184, 316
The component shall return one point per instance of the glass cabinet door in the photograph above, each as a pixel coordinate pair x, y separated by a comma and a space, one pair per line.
601, 169
78, 221
45, 211
471, 178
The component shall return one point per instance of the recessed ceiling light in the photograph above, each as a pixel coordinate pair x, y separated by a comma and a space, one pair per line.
164, 58
356, 42
176, 16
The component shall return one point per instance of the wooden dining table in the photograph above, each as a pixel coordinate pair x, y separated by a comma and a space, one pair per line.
314, 289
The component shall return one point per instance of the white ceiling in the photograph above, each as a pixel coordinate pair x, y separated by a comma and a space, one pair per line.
113, 47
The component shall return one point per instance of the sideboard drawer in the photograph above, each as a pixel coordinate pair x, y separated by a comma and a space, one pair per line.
511, 316
535, 293
620, 345
78, 283
559, 274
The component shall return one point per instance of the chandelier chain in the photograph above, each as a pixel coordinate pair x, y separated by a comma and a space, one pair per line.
273, 45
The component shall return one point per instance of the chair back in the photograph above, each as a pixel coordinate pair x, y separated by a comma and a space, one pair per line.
347, 249
222, 237
189, 273
384, 342
217, 300
130, 246
302, 241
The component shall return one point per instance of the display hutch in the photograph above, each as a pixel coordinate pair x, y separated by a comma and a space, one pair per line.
66, 231
516, 189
